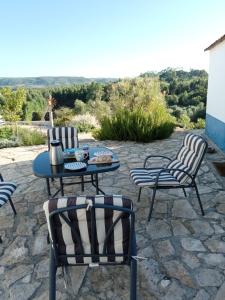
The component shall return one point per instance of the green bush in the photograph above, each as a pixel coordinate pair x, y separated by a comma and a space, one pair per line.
13, 137
6, 132
138, 125
63, 116
200, 124
29, 137
80, 107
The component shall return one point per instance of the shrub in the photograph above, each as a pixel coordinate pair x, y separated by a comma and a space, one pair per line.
5, 143
85, 123
29, 137
200, 124
185, 122
80, 107
138, 125
6, 132
63, 116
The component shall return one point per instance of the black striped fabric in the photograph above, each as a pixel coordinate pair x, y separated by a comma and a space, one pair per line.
76, 240
188, 159
6, 191
67, 135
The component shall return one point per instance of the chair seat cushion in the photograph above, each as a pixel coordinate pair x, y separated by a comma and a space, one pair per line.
6, 190
147, 177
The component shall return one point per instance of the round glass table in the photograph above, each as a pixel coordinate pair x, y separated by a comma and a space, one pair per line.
42, 168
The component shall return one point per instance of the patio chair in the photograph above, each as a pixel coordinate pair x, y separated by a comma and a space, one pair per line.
69, 138
6, 191
179, 172
91, 231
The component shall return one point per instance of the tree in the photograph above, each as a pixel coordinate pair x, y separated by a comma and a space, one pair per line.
12, 104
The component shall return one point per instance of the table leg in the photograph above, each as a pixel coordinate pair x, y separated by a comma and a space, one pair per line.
48, 186
96, 180
61, 186
82, 183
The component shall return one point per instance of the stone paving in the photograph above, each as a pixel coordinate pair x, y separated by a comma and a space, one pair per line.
185, 252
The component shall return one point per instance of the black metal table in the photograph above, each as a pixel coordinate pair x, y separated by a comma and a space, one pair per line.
42, 168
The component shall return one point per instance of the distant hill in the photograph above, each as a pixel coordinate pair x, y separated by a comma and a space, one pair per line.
49, 81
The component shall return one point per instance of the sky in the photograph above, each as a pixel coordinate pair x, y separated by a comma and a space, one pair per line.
106, 38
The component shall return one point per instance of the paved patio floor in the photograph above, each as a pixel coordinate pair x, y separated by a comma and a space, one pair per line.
185, 252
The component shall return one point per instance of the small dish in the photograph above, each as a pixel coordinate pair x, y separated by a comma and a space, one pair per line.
74, 166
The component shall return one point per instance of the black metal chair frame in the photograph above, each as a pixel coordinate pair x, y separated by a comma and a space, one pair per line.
192, 184
10, 200
82, 182
130, 258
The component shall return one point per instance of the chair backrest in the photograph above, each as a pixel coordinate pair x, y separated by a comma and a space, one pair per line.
85, 230
67, 135
189, 157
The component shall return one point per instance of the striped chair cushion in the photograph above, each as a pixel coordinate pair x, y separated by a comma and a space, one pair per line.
67, 135
146, 177
68, 244
6, 190
189, 157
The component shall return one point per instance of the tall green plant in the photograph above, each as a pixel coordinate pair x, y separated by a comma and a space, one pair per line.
12, 104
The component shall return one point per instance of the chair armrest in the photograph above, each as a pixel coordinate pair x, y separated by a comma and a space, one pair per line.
1, 178
173, 169
150, 156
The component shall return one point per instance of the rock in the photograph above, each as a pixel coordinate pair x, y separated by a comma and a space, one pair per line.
26, 226
179, 228
209, 277
190, 244
213, 259
158, 229
23, 291
16, 252
42, 268
201, 227
221, 208
6, 221
177, 270
74, 277
215, 245
164, 248
221, 292
202, 295
17, 273
183, 209
175, 292
190, 260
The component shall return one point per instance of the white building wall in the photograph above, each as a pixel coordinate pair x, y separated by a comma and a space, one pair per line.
216, 84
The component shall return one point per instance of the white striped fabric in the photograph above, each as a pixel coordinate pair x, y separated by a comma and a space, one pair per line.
67, 135
188, 159
81, 223
6, 191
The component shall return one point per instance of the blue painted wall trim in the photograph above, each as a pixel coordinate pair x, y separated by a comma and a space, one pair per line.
215, 129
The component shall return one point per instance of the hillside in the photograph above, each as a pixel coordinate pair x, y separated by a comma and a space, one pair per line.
47, 81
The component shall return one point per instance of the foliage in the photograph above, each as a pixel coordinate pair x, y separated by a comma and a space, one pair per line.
63, 116
35, 106
6, 132
10, 136
13, 101
85, 123
80, 107
138, 125
185, 122
29, 137
200, 124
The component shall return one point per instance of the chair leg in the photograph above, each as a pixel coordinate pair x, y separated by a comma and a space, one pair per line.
139, 194
185, 194
82, 183
12, 205
152, 203
199, 200
133, 279
52, 276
